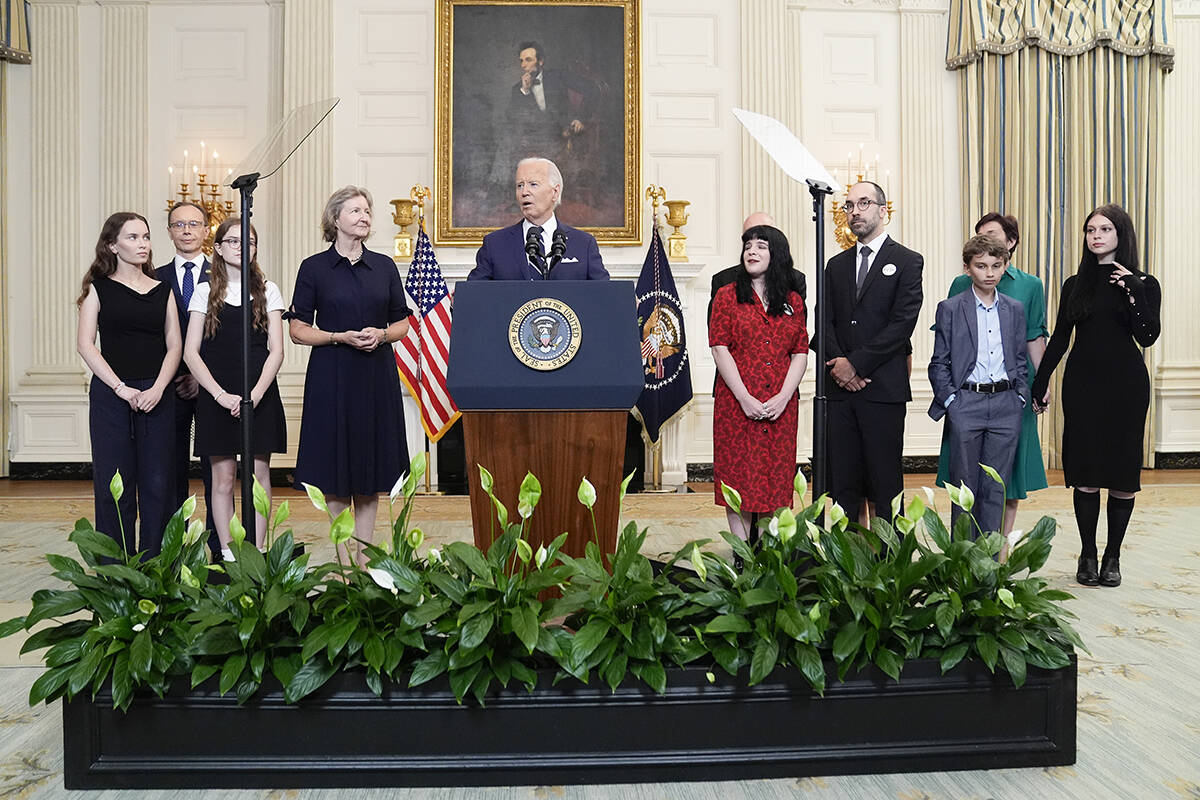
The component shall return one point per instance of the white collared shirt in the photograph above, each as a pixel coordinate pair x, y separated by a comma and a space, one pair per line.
875, 244
538, 90
548, 229
180, 261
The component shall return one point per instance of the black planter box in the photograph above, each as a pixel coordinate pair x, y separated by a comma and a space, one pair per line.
344, 736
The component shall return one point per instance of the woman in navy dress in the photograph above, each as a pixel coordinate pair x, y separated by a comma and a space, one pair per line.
349, 307
213, 351
131, 415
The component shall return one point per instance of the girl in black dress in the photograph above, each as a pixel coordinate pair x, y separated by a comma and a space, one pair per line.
131, 416
1113, 308
213, 354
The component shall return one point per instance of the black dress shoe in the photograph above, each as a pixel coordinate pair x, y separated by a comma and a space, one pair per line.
1086, 574
1110, 571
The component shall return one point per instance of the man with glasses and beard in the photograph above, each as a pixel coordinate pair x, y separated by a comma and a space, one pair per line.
874, 296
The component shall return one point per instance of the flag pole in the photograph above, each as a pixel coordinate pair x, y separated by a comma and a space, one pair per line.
420, 193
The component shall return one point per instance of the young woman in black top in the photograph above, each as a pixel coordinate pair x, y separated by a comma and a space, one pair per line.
131, 415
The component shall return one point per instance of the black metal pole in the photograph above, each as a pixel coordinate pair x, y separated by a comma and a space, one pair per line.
820, 459
246, 185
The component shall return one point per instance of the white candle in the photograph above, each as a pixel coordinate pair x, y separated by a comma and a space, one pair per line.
184, 175
887, 183
170, 183
203, 149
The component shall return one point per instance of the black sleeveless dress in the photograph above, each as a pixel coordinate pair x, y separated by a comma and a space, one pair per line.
218, 433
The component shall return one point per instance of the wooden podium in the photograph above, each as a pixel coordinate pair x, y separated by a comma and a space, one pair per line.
530, 413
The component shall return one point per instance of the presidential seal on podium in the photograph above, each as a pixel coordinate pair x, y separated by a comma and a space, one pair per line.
544, 333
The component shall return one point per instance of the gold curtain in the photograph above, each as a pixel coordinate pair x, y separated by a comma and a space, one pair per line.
14, 31
1060, 105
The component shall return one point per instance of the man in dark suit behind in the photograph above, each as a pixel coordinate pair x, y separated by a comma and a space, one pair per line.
538, 247
874, 296
544, 111
729, 274
187, 225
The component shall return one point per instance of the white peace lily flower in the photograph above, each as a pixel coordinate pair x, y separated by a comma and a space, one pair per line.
929, 496
397, 488
383, 579
139, 627
435, 555
194, 531
539, 558
966, 497
773, 525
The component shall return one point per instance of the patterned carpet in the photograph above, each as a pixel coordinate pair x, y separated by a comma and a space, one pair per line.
1139, 690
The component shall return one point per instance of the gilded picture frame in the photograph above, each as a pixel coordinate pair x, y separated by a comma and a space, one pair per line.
585, 116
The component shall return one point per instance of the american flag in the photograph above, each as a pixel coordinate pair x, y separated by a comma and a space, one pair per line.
422, 355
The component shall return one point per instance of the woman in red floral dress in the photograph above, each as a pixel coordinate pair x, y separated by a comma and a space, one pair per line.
760, 345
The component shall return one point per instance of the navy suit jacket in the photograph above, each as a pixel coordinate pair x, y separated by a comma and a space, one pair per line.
872, 328
166, 274
502, 258
956, 347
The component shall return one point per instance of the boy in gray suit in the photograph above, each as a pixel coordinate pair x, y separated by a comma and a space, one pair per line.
979, 377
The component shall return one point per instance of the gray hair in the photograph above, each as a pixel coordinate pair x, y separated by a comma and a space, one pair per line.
553, 174
333, 208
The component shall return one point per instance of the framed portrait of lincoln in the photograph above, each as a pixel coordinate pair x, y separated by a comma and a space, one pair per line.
553, 79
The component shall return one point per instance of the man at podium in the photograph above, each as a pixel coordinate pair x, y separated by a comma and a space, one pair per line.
538, 247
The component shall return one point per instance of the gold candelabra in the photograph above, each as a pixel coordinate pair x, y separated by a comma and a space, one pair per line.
677, 217
407, 211
863, 171
217, 202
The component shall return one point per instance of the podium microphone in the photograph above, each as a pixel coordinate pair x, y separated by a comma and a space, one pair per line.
533, 249
558, 247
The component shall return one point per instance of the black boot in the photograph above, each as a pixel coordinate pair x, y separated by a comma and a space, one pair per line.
1110, 571
1086, 574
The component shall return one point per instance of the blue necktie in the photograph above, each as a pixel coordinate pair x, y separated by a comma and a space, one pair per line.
188, 284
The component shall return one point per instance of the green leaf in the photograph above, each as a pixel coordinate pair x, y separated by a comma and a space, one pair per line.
621, 498
261, 504
847, 641
140, 582
760, 595
470, 556
1014, 662
49, 603
231, 671
614, 672
524, 551
813, 669
316, 497
988, 650
237, 532
475, 630
85, 670
429, 668
889, 662
525, 625
276, 601
310, 677
485, 480
728, 623
122, 682
375, 652
50, 685
202, 672
766, 654
141, 652
1013, 638
654, 675
93, 543
588, 638
953, 655
342, 528
1006, 597
944, 616
799, 484
281, 514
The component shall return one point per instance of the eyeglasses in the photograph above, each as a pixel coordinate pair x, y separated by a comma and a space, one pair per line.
236, 244
862, 205
191, 223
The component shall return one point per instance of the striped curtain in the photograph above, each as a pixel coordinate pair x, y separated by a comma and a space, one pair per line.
1060, 104
14, 31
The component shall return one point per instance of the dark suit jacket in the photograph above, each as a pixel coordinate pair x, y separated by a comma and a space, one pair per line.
502, 258
872, 328
956, 347
729, 275
541, 132
166, 274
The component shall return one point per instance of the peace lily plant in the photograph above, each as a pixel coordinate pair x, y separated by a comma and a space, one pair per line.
827, 600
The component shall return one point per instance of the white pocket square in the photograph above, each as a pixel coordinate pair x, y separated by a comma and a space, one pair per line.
571, 260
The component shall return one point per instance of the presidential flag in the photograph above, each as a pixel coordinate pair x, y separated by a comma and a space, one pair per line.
423, 354
668, 387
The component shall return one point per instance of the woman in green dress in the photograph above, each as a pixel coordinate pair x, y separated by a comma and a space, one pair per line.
1028, 472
